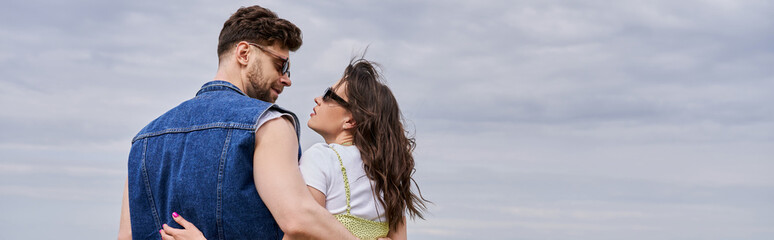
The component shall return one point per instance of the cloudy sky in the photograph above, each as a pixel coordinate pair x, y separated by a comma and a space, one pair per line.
542, 119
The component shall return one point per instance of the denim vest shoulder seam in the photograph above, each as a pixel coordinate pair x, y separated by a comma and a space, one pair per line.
196, 128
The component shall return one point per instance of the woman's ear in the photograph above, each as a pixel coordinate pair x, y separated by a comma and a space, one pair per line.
350, 124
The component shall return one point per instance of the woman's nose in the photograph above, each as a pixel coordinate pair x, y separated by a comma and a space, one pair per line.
318, 100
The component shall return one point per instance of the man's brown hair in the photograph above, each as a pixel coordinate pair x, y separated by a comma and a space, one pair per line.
258, 25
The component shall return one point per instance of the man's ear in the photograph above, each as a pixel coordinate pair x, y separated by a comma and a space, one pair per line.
242, 53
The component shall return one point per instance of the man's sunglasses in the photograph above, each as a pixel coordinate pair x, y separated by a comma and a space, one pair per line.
283, 68
330, 94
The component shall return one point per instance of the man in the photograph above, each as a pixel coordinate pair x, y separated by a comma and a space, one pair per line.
206, 158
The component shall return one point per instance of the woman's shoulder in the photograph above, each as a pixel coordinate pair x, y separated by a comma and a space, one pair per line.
318, 152
319, 149
331, 153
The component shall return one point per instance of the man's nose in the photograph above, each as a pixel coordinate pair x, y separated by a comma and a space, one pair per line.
285, 80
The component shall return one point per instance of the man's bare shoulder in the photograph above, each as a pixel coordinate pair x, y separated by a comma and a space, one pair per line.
276, 129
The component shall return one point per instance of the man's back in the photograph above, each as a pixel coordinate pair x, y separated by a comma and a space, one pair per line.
197, 160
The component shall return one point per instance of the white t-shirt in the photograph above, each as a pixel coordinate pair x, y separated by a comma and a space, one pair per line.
269, 115
321, 170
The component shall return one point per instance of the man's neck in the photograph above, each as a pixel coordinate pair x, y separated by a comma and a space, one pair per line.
231, 76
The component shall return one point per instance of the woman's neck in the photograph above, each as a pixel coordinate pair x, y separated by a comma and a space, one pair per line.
344, 138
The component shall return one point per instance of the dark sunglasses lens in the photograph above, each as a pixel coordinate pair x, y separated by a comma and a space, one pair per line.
285, 68
327, 94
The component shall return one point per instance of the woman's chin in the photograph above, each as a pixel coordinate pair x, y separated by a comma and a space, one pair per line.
312, 126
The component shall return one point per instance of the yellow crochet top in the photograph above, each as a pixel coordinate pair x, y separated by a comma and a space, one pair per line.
360, 227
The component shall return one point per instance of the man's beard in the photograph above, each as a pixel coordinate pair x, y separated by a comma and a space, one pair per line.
255, 77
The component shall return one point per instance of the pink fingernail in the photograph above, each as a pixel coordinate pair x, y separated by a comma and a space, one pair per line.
175, 215
161, 231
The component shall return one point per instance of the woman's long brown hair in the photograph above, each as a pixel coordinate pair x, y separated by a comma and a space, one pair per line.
383, 142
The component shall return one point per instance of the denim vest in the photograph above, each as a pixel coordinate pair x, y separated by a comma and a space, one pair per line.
197, 160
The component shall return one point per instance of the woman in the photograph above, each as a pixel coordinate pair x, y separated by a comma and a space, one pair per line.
362, 173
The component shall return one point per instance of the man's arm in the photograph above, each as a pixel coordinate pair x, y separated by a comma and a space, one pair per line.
279, 182
125, 227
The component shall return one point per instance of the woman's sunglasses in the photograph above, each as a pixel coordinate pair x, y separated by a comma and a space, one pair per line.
330, 94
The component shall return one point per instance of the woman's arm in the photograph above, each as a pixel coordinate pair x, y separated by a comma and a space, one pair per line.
125, 227
317, 195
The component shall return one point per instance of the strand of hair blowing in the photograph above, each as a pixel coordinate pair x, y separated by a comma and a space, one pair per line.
382, 141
